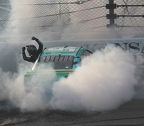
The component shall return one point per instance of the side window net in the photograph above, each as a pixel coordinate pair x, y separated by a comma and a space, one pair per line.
57, 58
66, 58
60, 62
61, 58
47, 59
52, 58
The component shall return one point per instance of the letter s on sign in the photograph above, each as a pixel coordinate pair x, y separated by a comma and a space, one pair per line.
134, 47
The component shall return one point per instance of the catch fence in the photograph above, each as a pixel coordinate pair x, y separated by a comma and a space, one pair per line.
122, 17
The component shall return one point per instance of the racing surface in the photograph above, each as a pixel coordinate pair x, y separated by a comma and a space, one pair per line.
130, 113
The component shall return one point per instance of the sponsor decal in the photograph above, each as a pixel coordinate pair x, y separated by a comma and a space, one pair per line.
135, 45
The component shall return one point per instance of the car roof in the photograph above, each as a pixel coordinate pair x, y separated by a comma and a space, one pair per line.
69, 51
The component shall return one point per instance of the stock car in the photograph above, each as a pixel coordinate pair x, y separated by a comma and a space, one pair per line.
64, 59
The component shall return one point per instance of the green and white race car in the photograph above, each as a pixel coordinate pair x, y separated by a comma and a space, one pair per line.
63, 59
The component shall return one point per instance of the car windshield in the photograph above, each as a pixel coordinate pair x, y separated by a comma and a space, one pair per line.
59, 62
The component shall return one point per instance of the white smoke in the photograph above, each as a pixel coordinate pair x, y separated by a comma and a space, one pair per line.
40, 90
29, 18
104, 81
13, 89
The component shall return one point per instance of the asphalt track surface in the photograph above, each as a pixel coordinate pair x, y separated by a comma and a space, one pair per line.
128, 114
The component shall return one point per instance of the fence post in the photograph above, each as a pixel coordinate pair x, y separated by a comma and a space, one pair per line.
111, 11
111, 16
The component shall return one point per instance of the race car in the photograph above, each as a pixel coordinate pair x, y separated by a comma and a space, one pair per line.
63, 59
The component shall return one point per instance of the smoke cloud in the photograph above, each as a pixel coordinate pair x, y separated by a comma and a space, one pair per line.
13, 88
103, 81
